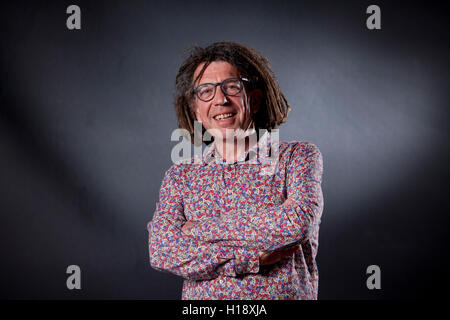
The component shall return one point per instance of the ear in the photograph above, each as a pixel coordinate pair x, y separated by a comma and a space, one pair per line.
255, 99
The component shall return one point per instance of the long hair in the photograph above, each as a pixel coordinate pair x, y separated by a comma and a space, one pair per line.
274, 107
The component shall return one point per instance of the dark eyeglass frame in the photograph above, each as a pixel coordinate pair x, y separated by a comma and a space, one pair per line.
241, 80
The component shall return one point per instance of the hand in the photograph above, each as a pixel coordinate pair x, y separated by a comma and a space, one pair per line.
288, 202
271, 257
187, 226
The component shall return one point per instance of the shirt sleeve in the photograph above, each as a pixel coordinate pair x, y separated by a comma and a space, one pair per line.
281, 225
174, 252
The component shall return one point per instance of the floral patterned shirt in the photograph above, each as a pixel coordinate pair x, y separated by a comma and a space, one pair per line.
238, 209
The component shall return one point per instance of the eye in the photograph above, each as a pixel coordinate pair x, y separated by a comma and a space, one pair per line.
205, 90
232, 87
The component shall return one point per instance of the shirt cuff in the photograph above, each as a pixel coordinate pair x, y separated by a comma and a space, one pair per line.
246, 261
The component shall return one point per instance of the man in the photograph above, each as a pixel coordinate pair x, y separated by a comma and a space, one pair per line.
241, 223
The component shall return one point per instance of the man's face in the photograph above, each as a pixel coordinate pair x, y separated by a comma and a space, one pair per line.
236, 106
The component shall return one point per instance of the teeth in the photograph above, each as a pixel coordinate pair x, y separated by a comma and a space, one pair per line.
223, 116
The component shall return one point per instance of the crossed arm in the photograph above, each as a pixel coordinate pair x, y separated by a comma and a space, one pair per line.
171, 250
195, 251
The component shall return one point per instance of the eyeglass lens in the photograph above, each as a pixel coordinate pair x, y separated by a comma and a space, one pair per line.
230, 87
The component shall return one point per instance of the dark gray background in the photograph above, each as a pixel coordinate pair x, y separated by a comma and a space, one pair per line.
86, 118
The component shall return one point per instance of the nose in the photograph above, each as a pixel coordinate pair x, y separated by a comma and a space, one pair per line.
220, 97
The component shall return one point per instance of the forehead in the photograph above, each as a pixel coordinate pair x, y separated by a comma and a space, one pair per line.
216, 71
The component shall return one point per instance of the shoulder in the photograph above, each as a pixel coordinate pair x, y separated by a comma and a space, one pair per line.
304, 157
183, 169
299, 149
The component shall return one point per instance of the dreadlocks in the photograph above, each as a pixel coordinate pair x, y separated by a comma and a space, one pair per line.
274, 107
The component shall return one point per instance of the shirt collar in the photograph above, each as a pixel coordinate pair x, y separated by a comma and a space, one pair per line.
259, 153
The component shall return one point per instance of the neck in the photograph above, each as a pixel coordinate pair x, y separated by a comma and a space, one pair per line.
232, 149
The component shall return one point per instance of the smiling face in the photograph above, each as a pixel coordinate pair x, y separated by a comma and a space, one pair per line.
223, 115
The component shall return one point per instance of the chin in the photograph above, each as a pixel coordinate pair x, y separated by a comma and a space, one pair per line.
222, 133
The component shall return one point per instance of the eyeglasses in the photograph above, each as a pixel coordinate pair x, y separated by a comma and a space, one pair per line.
229, 87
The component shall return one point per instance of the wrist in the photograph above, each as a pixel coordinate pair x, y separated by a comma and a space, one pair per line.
247, 261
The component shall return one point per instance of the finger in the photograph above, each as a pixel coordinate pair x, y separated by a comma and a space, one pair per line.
290, 252
186, 227
288, 201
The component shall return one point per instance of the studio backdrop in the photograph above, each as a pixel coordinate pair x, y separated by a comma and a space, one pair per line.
87, 112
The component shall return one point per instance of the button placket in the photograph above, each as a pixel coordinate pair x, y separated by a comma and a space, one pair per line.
227, 192
226, 174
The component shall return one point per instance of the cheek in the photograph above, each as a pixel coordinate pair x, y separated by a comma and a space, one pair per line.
201, 112
243, 107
